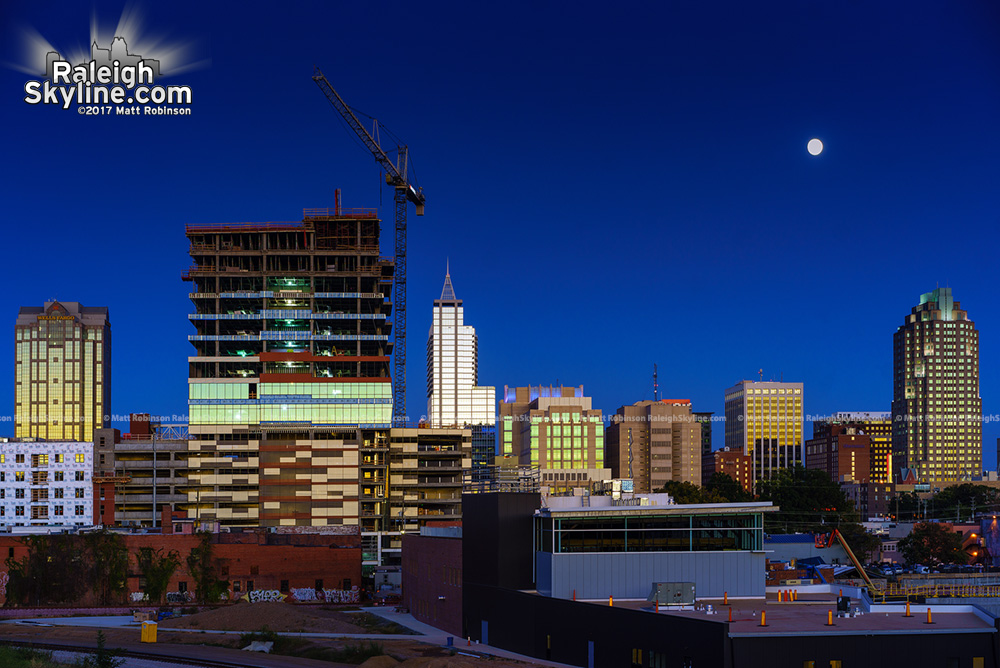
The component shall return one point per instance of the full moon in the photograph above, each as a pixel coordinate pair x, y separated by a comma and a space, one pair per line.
815, 147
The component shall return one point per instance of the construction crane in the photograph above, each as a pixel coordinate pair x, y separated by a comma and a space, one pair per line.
395, 176
826, 540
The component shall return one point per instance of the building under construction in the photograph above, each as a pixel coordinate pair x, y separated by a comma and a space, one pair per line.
290, 396
140, 472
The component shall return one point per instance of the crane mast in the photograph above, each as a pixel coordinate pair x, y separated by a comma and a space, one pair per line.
396, 176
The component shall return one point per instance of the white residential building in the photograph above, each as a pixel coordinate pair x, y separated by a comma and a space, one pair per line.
46, 484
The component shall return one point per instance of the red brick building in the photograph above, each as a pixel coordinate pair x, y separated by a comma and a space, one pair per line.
736, 465
432, 577
282, 559
843, 451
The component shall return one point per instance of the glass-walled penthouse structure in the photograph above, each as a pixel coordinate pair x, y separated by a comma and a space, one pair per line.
290, 396
650, 532
604, 547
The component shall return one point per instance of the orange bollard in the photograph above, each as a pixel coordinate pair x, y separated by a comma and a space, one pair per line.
795, 595
907, 610
779, 596
829, 617
725, 598
574, 594
470, 641
611, 600
730, 614
763, 617
841, 592
657, 606
928, 617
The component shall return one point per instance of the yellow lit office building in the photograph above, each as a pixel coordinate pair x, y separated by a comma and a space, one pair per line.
62, 371
764, 420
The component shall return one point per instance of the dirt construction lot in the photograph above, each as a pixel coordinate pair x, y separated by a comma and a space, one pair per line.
279, 618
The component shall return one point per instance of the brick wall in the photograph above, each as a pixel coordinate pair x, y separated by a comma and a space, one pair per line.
257, 559
432, 569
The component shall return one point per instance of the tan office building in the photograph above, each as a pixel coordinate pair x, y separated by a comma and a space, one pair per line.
653, 442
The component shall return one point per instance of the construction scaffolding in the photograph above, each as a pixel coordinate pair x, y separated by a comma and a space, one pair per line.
500, 478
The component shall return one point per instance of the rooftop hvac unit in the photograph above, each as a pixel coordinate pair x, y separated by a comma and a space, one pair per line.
672, 593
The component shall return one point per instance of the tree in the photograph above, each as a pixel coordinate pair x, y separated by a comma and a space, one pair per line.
107, 561
157, 568
906, 506
205, 570
958, 501
50, 573
933, 543
809, 501
865, 545
726, 489
683, 492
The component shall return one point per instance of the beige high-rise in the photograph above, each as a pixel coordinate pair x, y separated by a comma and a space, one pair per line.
653, 442
557, 430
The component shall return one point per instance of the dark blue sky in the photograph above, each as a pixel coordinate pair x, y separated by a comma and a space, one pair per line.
615, 184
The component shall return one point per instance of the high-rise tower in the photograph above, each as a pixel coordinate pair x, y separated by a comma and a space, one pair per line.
653, 443
290, 397
936, 408
62, 371
764, 420
454, 398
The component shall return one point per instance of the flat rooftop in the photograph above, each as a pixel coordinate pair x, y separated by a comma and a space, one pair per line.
655, 505
808, 616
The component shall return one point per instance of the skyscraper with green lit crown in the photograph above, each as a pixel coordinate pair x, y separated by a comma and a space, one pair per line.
936, 408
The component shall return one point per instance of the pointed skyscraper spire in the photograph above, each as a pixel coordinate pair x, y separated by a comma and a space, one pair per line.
447, 292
